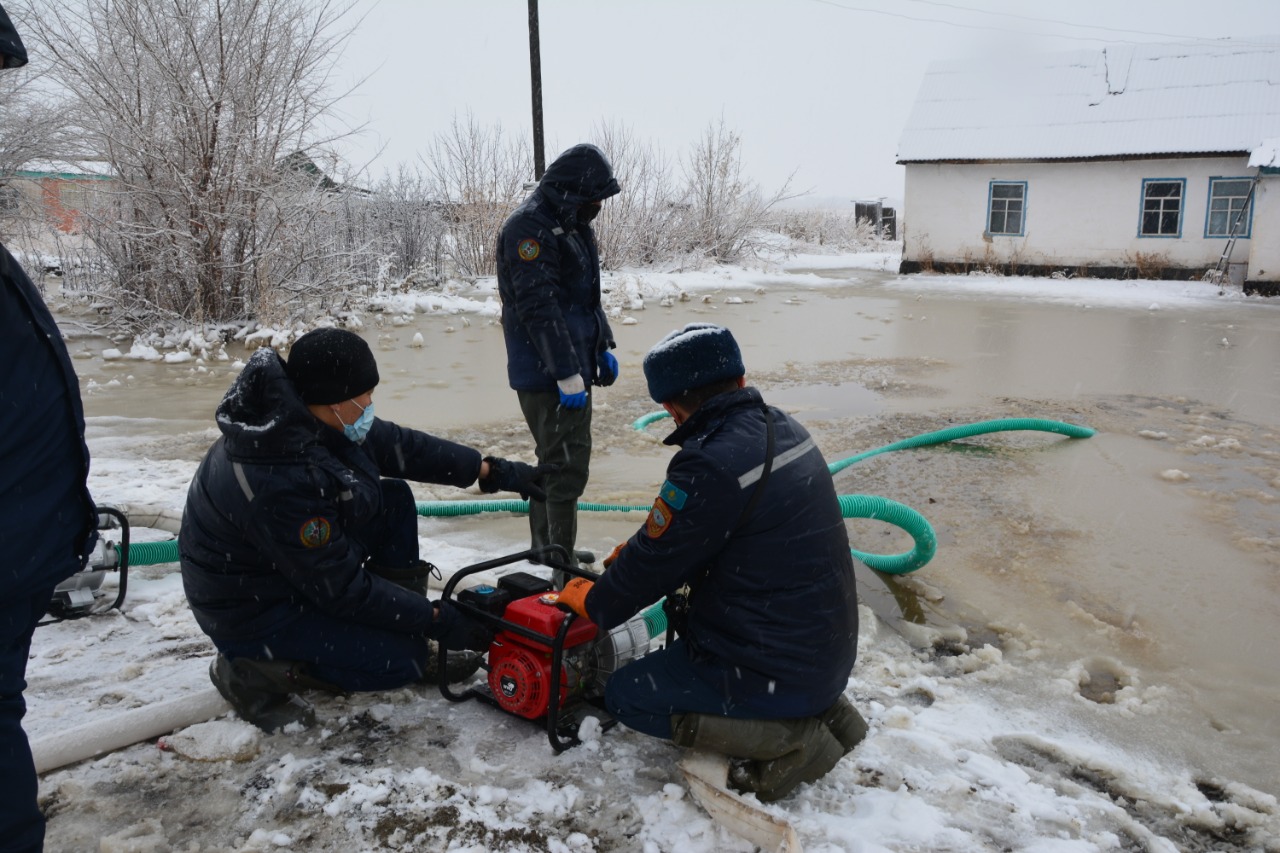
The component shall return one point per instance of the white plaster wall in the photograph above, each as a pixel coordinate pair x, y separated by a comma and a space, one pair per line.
1264, 254
1076, 213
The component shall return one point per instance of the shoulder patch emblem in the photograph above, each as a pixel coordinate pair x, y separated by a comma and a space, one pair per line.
529, 249
315, 532
659, 519
673, 495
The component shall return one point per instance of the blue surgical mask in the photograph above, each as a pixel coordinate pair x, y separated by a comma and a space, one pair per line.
358, 430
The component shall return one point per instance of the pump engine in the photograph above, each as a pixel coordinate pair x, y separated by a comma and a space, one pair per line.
544, 662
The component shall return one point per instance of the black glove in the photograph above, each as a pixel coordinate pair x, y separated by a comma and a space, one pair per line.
456, 630
510, 476
607, 373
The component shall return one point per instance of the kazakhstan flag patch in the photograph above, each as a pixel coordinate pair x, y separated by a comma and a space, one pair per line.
673, 495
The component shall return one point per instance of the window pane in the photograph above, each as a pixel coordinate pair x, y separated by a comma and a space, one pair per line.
997, 222
1150, 223
1164, 189
1006, 190
1169, 222
1014, 224
1218, 223
1225, 188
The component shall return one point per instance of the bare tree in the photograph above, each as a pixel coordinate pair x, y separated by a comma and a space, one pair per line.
725, 208
32, 128
643, 224
195, 104
478, 177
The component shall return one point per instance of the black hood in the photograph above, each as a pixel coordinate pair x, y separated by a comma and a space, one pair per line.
262, 414
577, 176
12, 53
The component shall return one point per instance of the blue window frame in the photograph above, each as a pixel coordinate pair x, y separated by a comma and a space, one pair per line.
1007, 208
1162, 200
1229, 205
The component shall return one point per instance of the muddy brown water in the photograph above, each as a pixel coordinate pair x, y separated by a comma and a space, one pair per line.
1142, 563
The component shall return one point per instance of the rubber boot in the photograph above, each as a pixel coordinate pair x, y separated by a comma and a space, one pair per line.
414, 578
459, 666
780, 753
845, 723
264, 692
555, 523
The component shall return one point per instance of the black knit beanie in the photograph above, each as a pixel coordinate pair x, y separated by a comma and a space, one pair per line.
331, 365
697, 355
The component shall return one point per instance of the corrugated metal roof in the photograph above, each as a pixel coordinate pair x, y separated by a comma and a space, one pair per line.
1121, 100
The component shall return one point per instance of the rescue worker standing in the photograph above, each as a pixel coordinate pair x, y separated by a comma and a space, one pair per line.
298, 559
45, 507
748, 518
557, 336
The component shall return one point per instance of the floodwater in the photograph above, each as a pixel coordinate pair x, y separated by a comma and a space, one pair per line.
1141, 566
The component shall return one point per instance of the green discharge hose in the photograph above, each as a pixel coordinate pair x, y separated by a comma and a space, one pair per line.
851, 506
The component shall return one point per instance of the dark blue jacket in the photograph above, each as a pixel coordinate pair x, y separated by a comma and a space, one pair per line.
47, 517
549, 276
773, 612
263, 537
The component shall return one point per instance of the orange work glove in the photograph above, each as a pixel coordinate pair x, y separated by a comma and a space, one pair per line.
574, 595
613, 555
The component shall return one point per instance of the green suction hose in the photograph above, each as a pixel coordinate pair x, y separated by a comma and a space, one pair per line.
152, 553
901, 515
966, 430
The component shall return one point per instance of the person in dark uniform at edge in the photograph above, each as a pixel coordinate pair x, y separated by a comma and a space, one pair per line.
47, 518
299, 542
557, 336
748, 519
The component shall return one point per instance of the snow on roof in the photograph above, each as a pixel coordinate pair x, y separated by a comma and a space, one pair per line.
91, 167
1266, 155
1128, 99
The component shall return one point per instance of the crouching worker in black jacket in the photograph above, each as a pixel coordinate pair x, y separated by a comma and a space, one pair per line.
299, 560
748, 520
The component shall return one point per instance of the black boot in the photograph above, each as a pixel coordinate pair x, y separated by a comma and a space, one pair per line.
414, 578
459, 666
264, 692
845, 723
780, 754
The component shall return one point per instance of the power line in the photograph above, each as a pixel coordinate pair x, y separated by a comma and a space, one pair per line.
990, 28
1050, 20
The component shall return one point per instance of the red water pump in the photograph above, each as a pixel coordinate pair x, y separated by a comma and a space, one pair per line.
520, 668
545, 663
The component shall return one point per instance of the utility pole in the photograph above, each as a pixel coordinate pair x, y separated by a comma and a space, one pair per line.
535, 80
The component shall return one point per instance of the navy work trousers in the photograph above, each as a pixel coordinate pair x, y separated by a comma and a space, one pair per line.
645, 693
21, 823
351, 655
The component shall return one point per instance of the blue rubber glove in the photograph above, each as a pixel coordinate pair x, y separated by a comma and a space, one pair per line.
573, 392
608, 369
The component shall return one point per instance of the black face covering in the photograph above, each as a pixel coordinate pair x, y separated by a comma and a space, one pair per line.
588, 212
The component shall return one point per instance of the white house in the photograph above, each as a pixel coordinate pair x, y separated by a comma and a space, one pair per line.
1154, 160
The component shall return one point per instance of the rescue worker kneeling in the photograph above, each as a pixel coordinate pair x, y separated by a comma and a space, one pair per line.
748, 520
298, 559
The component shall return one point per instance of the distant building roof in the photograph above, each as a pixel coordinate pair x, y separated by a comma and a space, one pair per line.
79, 168
1142, 99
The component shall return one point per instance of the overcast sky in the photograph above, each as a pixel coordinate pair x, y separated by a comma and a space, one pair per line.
818, 89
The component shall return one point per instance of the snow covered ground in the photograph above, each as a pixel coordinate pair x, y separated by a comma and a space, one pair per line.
974, 745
